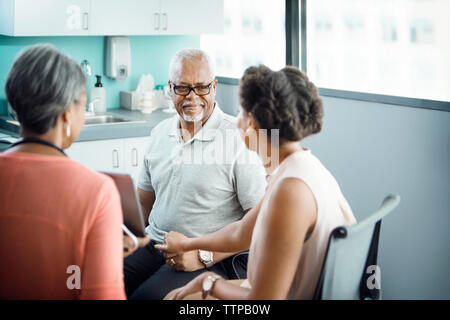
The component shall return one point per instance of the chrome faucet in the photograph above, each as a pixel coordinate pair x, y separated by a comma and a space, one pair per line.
90, 107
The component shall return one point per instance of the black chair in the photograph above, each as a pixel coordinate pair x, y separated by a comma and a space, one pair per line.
349, 270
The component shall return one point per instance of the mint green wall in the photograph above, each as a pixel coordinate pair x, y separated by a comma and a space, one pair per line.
149, 54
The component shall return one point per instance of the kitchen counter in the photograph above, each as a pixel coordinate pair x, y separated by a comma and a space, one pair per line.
107, 131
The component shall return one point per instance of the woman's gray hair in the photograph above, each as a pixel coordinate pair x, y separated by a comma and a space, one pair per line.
41, 85
189, 53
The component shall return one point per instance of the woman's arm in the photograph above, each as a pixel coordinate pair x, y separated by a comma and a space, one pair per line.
221, 287
102, 273
291, 214
235, 237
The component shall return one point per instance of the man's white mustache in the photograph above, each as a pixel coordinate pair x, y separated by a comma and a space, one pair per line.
190, 103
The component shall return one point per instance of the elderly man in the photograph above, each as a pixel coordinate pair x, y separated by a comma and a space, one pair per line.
186, 186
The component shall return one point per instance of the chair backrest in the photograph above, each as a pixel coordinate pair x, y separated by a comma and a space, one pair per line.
350, 253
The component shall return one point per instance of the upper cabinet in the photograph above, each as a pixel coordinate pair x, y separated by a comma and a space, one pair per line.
109, 17
44, 17
120, 17
195, 17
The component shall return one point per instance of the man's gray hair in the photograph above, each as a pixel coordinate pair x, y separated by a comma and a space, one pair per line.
41, 85
189, 53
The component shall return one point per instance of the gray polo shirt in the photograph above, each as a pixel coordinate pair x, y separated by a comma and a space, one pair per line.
201, 185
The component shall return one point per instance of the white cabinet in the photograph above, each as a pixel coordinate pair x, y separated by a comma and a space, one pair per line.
103, 155
114, 155
191, 17
44, 17
135, 17
109, 17
134, 151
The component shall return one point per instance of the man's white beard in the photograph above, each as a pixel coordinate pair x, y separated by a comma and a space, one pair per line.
196, 118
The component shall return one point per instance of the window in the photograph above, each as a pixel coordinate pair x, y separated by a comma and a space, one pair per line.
388, 47
254, 33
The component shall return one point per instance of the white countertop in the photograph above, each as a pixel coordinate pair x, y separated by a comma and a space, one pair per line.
112, 131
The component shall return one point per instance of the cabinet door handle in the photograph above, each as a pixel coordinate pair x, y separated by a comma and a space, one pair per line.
115, 155
134, 157
165, 21
85, 20
157, 21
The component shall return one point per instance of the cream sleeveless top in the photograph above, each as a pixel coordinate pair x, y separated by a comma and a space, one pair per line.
333, 211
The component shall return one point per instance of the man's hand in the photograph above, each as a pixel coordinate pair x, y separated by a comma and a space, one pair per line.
129, 246
187, 262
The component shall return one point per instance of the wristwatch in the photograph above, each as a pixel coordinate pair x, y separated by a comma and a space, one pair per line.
208, 284
206, 257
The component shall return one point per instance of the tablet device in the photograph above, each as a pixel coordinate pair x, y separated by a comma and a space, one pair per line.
131, 208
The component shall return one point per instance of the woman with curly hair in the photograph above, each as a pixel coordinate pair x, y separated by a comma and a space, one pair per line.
288, 231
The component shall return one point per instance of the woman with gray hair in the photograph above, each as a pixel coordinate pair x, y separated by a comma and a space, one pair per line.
60, 222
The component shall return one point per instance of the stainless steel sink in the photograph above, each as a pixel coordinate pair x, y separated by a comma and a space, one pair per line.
95, 120
90, 120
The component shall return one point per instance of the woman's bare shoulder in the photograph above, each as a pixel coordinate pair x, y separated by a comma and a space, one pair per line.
292, 199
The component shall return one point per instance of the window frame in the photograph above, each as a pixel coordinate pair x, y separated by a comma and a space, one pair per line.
296, 33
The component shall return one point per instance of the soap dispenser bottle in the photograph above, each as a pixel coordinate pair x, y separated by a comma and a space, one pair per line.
98, 96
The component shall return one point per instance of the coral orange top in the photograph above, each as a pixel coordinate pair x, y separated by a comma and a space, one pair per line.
60, 230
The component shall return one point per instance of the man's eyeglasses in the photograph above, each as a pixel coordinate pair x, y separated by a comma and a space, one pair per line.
199, 90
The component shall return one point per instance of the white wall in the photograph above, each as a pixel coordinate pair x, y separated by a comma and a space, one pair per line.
374, 149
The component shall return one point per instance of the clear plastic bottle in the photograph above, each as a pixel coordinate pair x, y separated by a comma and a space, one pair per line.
98, 96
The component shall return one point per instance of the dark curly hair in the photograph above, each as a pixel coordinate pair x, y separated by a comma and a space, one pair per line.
284, 100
